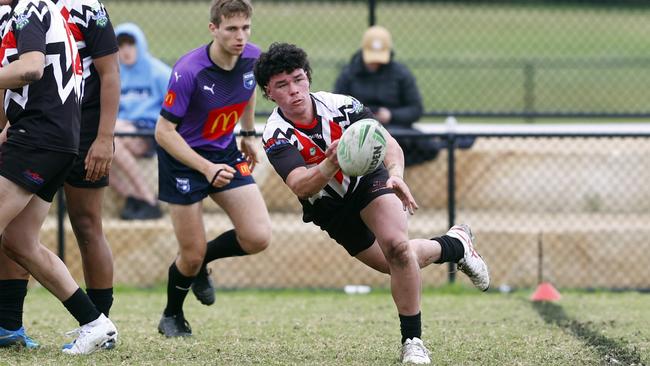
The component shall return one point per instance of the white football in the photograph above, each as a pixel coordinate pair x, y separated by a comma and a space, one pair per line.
362, 147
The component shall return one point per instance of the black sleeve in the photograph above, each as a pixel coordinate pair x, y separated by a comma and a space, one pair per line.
362, 114
410, 109
99, 34
283, 156
30, 32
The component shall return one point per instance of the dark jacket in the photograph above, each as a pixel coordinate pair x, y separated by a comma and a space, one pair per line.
392, 86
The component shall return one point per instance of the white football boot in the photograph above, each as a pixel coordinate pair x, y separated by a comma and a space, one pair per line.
472, 264
414, 351
92, 337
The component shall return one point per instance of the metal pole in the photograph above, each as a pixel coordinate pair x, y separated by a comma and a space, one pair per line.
529, 90
540, 259
60, 217
451, 191
372, 7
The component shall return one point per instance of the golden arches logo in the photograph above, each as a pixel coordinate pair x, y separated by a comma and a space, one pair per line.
169, 98
224, 120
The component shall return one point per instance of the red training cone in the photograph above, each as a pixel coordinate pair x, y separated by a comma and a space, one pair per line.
545, 292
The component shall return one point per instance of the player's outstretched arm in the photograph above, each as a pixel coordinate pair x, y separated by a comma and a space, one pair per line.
27, 69
306, 182
394, 161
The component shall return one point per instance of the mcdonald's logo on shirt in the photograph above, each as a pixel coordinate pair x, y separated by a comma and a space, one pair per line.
222, 121
170, 97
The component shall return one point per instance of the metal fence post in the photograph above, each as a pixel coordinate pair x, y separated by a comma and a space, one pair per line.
529, 90
451, 184
372, 7
60, 217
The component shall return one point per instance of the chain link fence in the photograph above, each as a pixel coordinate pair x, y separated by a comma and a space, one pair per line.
527, 58
571, 210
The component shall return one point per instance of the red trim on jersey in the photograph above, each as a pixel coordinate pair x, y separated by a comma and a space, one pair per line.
76, 63
312, 154
335, 131
65, 13
8, 41
309, 126
76, 32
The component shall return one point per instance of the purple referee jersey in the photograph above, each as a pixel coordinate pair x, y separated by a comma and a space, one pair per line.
206, 101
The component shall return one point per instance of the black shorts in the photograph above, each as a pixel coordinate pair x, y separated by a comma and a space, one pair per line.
39, 171
88, 134
341, 219
77, 175
182, 185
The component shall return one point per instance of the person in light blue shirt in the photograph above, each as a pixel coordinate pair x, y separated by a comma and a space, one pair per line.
144, 84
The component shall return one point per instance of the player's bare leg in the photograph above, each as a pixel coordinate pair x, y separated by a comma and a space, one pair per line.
252, 234
85, 212
20, 241
251, 220
384, 217
190, 234
426, 251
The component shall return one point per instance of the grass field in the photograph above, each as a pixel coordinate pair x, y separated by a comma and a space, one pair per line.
465, 57
461, 327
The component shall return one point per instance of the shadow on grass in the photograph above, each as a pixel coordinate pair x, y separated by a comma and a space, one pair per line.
613, 352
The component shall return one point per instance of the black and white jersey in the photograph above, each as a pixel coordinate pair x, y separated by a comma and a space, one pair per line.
5, 15
45, 113
289, 147
92, 29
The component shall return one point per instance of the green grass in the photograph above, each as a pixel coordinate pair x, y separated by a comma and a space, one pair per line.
438, 40
461, 327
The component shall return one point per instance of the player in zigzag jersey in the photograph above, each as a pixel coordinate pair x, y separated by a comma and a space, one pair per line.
39, 146
86, 182
366, 215
211, 88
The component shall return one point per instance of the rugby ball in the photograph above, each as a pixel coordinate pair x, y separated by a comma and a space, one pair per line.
362, 147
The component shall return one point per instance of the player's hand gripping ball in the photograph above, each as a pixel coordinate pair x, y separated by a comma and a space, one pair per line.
362, 147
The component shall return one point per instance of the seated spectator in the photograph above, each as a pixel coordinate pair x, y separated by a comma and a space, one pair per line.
389, 89
144, 84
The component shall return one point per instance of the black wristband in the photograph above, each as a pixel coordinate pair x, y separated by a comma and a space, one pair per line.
215, 176
244, 133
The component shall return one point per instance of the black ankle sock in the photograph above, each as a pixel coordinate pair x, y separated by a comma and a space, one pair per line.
12, 298
102, 298
80, 306
411, 326
178, 286
224, 245
452, 249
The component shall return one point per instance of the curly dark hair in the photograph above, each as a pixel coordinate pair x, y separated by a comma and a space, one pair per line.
281, 57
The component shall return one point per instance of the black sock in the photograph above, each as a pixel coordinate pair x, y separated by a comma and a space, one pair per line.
80, 306
102, 298
12, 298
452, 249
411, 326
177, 287
224, 245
